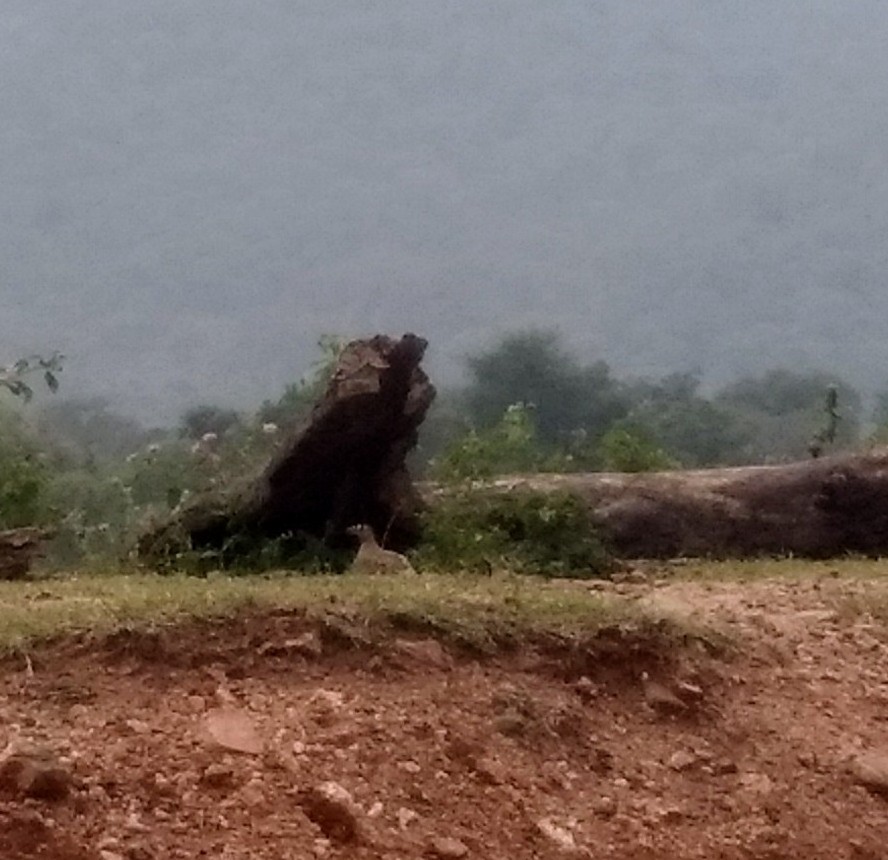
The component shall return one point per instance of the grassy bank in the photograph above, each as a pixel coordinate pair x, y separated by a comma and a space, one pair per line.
470, 608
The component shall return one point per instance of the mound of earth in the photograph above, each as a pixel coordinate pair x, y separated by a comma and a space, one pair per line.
270, 738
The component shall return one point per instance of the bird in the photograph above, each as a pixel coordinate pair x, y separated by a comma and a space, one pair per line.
372, 558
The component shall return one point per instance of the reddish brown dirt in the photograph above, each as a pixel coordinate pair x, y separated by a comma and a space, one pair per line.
432, 744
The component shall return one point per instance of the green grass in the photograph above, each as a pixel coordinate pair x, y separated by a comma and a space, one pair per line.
754, 570
458, 607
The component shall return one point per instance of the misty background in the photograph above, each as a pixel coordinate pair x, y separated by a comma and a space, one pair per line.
193, 192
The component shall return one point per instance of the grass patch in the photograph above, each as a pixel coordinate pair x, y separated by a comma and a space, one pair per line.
792, 569
458, 607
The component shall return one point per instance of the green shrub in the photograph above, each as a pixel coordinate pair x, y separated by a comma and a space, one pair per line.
628, 449
23, 475
542, 533
511, 445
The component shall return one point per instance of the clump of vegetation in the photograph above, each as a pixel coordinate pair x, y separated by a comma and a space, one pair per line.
242, 555
23, 475
541, 533
630, 449
23, 472
827, 434
510, 445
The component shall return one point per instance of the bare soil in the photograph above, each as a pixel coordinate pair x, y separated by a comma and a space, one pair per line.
544, 751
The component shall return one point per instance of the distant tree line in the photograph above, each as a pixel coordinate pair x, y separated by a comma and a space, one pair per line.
528, 404
581, 416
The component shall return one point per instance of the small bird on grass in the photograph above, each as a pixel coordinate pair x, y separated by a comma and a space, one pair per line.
372, 558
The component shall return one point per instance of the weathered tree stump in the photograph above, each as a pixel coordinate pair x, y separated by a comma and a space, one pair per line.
347, 466
18, 550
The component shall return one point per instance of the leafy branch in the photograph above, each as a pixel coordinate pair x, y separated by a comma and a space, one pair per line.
15, 377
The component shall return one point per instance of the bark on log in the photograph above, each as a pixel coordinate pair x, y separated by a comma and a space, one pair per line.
816, 509
18, 550
347, 466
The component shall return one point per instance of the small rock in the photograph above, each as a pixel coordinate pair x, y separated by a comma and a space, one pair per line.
604, 806
682, 760
308, 645
224, 696
425, 652
218, 776
871, 770
232, 729
138, 727
671, 815
723, 767
133, 824
756, 783
586, 689
333, 809
464, 750
196, 704
325, 705
445, 848
406, 817
34, 772
110, 855
689, 692
252, 794
660, 698
490, 771
560, 837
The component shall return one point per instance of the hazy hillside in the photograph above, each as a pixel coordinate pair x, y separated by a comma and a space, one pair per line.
193, 191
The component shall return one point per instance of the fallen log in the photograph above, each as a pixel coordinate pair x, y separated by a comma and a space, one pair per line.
346, 466
816, 509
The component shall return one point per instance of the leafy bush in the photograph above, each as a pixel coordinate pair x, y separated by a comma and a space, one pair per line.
628, 449
511, 445
23, 475
542, 533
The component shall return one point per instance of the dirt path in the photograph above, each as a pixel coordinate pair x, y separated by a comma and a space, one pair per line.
520, 756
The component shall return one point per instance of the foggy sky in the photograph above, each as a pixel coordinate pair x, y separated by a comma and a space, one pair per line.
192, 192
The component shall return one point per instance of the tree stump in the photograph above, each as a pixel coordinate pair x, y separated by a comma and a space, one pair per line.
346, 466
18, 550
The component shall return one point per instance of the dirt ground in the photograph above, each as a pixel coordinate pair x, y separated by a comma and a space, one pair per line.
533, 753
